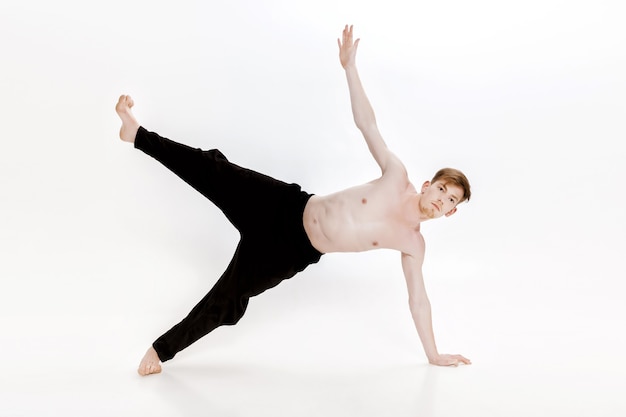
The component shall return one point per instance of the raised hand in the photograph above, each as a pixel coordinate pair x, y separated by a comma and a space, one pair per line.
450, 360
347, 48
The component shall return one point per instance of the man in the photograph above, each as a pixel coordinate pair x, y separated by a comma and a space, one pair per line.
284, 229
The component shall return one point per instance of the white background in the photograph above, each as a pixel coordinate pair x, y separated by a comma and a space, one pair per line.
103, 249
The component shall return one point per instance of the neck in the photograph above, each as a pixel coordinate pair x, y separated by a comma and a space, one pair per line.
415, 215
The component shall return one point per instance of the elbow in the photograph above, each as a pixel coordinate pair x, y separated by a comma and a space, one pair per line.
365, 120
365, 124
418, 305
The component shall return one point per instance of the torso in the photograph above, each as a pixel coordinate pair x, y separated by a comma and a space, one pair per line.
379, 214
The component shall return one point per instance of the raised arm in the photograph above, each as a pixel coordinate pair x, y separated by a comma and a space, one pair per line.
421, 313
361, 109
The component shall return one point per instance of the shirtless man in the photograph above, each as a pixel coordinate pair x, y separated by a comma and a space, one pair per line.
384, 213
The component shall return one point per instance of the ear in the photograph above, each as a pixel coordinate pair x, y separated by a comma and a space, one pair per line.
425, 185
451, 212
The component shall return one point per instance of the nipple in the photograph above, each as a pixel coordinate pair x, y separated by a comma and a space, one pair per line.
364, 201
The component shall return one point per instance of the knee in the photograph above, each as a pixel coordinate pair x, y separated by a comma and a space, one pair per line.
215, 155
233, 310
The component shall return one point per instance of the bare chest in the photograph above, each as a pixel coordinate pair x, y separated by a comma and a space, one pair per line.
367, 217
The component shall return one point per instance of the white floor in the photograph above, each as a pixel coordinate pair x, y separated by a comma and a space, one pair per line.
289, 360
102, 250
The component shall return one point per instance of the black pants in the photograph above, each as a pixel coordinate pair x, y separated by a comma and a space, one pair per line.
268, 214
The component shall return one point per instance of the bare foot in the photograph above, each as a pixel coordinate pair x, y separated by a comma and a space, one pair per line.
130, 126
150, 364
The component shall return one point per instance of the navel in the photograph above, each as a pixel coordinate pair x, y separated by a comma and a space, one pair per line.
364, 201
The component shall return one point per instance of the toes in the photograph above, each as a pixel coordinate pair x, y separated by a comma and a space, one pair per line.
126, 100
144, 368
148, 369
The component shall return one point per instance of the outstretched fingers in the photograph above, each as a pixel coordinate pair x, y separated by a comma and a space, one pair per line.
347, 35
450, 360
460, 359
347, 47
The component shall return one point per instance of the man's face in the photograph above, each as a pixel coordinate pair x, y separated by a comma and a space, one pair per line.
439, 199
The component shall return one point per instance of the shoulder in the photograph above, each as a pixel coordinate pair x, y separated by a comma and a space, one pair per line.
394, 164
395, 172
414, 247
413, 257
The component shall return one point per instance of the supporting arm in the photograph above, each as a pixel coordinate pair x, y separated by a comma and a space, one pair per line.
421, 312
